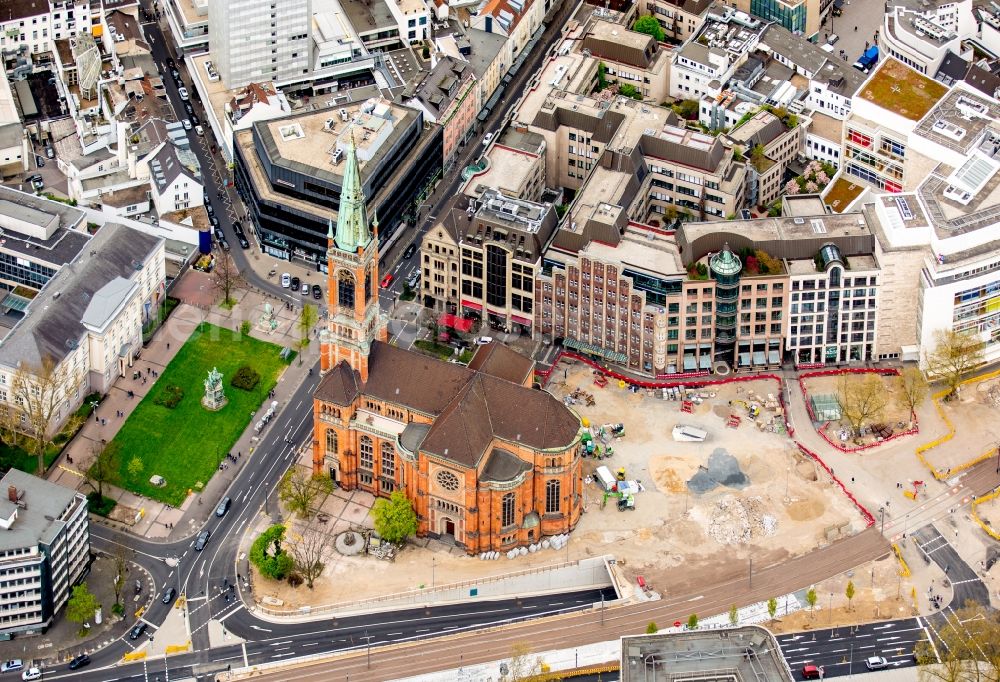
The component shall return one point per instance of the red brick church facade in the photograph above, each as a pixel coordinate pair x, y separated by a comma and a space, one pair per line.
486, 460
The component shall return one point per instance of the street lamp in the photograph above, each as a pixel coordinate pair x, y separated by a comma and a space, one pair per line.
831, 609
881, 511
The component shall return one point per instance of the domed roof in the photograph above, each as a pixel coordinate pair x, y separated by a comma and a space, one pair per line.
725, 262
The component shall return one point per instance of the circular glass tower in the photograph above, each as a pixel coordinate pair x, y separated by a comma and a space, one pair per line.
725, 267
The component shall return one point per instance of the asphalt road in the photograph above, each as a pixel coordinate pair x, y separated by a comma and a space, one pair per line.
843, 651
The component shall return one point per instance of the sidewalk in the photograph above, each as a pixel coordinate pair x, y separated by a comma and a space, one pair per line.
161, 521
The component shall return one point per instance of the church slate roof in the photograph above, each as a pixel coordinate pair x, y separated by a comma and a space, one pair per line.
470, 408
502, 361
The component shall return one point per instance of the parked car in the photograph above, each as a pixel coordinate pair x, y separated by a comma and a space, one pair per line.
183, 93
223, 506
876, 663
31, 674
79, 662
811, 672
219, 236
224, 244
486, 140
202, 540
37, 182
304, 289
294, 285
317, 292
168, 595
39, 161
387, 280
410, 250
241, 238
11, 665
199, 130
50, 152
170, 62
214, 220
210, 209
187, 124
137, 630
188, 108
175, 74
194, 120
484, 340
286, 280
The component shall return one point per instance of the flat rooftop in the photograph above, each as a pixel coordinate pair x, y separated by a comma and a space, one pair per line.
193, 11
606, 30
744, 653
507, 171
901, 90
368, 16
842, 193
785, 228
802, 206
958, 121
827, 127
309, 140
39, 521
641, 250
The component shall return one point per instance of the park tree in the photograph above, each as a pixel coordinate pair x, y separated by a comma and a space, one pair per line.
135, 466
734, 615
105, 467
226, 278
811, 598
687, 109
849, 593
81, 607
602, 75
650, 26
968, 646
269, 555
913, 386
693, 621
772, 607
307, 320
299, 490
862, 399
394, 518
36, 397
308, 551
953, 356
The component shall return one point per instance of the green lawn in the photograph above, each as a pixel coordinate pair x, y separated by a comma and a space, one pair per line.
185, 444
18, 458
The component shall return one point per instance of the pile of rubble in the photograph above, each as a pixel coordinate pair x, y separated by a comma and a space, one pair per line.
739, 521
993, 395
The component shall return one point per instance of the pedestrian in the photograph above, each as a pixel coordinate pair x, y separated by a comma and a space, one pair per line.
96, 418
168, 345
104, 422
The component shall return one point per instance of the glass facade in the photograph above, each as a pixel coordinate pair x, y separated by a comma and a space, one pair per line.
792, 17
725, 268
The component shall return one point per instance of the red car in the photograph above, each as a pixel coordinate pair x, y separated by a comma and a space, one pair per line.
812, 672
387, 280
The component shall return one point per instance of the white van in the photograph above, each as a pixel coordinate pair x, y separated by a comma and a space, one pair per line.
604, 477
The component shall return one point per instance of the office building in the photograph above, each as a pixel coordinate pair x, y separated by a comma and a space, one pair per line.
259, 40
289, 172
44, 551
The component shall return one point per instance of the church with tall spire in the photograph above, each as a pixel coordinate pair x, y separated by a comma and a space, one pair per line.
487, 462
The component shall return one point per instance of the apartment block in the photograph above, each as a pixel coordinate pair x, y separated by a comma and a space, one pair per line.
629, 58
707, 61
770, 145
680, 19
31, 26
44, 551
448, 95
188, 21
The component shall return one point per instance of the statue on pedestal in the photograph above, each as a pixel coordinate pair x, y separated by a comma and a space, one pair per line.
215, 397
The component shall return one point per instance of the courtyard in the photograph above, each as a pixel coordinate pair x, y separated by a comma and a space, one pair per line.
185, 443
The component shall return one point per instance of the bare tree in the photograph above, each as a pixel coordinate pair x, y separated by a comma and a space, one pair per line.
226, 277
120, 557
36, 397
914, 387
523, 665
298, 491
862, 399
308, 551
105, 467
955, 354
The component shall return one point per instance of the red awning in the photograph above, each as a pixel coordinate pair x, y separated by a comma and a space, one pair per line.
521, 320
470, 304
455, 322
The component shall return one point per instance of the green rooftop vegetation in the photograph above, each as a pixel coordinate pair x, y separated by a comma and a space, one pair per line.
841, 194
903, 91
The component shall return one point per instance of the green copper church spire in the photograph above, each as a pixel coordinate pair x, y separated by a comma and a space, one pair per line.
352, 220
